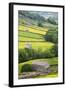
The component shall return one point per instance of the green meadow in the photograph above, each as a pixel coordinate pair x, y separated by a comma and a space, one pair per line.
51, 61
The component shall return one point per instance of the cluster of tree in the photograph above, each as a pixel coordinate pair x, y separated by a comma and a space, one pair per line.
27, 68
40, 24
30, 54
52, 36
51, 20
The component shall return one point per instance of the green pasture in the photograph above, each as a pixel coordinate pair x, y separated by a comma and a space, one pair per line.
51, 61
28, 39
36, 45
33, 29
51, 75
30, 34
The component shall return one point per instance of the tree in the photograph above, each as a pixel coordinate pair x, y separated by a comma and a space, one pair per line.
52, 36
54, 50
27, 68
51, 20
40, 24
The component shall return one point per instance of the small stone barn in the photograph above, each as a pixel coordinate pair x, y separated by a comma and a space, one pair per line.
28, 45
40, 66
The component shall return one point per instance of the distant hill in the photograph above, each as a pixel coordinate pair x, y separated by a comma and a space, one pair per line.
37, 17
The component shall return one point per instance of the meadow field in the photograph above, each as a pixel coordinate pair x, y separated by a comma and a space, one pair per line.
51, 61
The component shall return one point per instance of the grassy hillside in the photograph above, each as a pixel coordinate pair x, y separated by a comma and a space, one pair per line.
51, 61
30, 34
36, 45
34, 29
32, 43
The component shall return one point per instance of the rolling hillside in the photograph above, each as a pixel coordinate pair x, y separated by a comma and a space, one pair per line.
30, 28
33, 46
